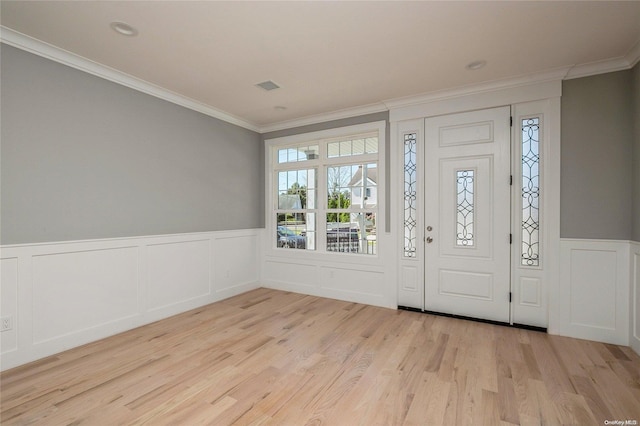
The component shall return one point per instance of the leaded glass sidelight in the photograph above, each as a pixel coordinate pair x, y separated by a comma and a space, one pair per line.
530, 192
464, 208
410, 195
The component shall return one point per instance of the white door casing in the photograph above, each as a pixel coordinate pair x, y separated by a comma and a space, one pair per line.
467, 214
534, 288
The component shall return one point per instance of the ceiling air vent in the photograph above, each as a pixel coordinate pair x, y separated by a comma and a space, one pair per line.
268, 85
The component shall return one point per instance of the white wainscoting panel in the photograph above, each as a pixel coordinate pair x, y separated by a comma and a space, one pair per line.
80, 290
9, 302
351, 277
177, 272
634, 335
62, 295
593, 284
594, 290
235, 260
366, 283
290, 275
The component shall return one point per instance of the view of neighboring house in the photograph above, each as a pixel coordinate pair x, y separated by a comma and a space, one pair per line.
364, 190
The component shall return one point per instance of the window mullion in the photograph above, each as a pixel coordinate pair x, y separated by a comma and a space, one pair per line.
322, 181
364, 159
313, 164
322, 201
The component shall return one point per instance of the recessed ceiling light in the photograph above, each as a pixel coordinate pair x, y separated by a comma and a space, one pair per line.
279, 108
268, 85
124, 29
476, 65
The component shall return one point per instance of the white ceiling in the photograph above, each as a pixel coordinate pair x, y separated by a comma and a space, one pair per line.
328, 55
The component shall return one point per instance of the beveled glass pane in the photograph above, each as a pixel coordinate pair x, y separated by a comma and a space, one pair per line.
464, 208
530, 192
410, 195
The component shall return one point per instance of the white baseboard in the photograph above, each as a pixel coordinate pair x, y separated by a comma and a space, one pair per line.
63, 295
634, 327
594, 290
347, 282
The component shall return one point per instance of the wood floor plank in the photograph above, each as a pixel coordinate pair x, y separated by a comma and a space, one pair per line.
507, 403
268, 357
490, 409
526, 398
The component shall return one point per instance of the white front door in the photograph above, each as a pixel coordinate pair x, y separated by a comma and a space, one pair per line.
467, 214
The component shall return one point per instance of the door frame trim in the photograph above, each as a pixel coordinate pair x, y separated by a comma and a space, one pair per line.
546, 95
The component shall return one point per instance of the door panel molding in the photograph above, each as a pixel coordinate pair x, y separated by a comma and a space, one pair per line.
483, 198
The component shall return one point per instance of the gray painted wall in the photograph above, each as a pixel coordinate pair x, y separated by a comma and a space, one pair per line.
351, 121
86, 158
597, 157
82, 158
636, 153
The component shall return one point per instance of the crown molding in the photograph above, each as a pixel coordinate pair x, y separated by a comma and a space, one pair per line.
633, 55
48, 51
323, 118
492, 86
600, 67
620, 63
40, 48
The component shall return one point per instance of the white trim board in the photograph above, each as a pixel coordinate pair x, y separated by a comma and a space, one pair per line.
32, 45
480, 97
63, 295
634, 326
360, 278
528, 99
322, 118
48, 51
492, 87
610, 65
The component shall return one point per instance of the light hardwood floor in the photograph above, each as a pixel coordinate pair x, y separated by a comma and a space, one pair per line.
270, 357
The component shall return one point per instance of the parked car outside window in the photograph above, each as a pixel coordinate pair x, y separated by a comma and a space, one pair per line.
289, 239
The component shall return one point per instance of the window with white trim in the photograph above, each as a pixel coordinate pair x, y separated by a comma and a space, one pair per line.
326, 194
